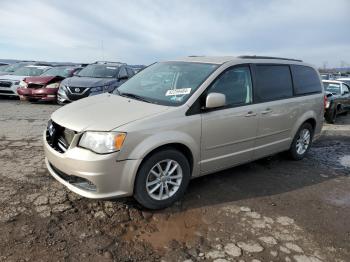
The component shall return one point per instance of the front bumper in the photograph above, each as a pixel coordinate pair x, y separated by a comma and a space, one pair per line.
9, 91
43, 94
110, 177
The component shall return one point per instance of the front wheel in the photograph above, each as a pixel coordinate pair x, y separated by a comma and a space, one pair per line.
162, 179
301, 142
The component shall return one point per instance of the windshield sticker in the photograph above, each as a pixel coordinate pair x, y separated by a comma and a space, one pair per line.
109, 67
175, 92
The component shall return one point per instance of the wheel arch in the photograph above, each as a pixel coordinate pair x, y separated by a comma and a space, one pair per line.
307, 117
182, 148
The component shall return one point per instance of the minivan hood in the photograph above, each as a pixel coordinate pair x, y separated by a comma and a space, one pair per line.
77, 81
103, 112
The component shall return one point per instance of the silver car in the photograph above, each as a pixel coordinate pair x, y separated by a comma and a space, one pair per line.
181, 119
10, 83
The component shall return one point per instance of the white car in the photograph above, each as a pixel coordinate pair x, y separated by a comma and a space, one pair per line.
345, 80
10, 83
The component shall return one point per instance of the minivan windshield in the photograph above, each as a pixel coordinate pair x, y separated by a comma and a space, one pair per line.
59, 71
334, 88
99, 71
167, 83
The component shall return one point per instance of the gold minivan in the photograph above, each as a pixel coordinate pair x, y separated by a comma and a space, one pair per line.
181, 119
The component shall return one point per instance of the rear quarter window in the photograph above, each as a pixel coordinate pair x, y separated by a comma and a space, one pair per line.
306, 80
273, 82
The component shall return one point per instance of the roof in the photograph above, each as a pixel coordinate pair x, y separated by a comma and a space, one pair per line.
109, 63
206, 59
39, 66
332, 81
238, 59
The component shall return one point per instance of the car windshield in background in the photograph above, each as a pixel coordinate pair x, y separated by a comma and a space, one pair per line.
3, 67
14, 67
167, 83
100, 71
334, 88
58, 71
29, 71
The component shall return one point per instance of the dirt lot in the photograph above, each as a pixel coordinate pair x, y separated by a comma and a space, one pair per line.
270, 210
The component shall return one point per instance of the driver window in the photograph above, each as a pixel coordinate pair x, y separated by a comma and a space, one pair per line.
345, 89
236, 84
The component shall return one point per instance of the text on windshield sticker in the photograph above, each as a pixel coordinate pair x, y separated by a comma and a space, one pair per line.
175, 92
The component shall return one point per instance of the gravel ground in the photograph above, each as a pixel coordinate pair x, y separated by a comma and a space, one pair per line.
269, 210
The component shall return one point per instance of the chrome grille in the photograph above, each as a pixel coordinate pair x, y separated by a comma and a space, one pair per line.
59, 137
5, 84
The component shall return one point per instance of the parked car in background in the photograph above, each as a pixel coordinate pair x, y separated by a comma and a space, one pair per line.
345, 80
45, 86
10, 83
97, 78
137, 68
327, 76
337, 99
10, 69
180, 119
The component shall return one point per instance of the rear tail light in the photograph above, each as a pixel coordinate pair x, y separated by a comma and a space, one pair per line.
326, 103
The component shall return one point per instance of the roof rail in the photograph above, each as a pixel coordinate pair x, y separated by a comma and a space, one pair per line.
268, 57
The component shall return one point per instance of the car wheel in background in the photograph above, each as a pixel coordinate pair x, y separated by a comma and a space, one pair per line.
301, 142
162, 179
331, 116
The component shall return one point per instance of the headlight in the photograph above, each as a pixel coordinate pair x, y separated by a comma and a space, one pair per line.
96, 89
61, 89
102, 142
16, 83
23, 84
54, 85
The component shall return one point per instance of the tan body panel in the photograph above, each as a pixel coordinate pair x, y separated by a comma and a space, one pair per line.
217, 139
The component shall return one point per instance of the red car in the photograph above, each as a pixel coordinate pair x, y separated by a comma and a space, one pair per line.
45, 86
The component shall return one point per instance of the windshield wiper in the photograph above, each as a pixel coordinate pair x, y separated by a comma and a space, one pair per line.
137, 97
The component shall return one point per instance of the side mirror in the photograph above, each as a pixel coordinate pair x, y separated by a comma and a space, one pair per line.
76, 72
122, 75
215, 100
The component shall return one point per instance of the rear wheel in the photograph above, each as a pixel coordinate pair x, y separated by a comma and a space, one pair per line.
301, 142
162, 179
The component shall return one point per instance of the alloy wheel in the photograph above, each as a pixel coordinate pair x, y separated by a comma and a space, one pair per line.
164, 179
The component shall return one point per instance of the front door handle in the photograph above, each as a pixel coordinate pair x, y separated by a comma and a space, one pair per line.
250, 113
267, 111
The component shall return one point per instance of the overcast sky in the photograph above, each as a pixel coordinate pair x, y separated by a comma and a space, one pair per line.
144, 31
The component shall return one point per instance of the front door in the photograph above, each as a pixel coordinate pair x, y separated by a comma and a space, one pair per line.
228, 133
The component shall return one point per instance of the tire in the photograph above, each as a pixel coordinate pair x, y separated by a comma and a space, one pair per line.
331, 117
294, 152
176, 190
